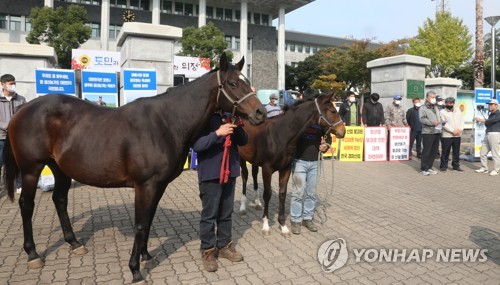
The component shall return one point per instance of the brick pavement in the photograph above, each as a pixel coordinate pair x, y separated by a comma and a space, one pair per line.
380, 205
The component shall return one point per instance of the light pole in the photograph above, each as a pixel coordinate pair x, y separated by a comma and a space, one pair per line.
493, 20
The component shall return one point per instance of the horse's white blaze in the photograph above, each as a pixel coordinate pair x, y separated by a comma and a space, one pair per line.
243, 206
265, 224
242, 77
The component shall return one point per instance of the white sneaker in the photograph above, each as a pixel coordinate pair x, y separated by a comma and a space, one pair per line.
494, 173
425, 173
18, 191
481, 170
432, 171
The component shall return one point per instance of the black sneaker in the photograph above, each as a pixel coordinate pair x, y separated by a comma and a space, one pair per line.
442, 169
309, 224
296, 228
458, 169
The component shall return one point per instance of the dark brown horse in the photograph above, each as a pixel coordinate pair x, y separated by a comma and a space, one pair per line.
272, 145
143, 145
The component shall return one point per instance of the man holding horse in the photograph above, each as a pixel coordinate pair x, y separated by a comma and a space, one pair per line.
217, 182
9, 103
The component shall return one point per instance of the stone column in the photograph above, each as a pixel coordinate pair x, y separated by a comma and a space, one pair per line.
105, 25
244, 35
49, 3
444, 87
398, 75
281, 49
155, 12
202, 16
149, 46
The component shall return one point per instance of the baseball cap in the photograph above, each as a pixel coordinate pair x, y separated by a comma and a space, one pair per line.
273, 96
439, 98
493, 101
397, 97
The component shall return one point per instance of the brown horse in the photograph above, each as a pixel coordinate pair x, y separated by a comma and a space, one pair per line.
272, 145
143, 145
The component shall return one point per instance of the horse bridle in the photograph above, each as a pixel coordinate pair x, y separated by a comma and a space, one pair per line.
235, 103
321, 117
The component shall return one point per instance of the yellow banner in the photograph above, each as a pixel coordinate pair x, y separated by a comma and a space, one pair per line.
334, 149
351, 146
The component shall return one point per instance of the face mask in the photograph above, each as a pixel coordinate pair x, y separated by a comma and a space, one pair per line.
449, 107
418, 104
11, 88
352, 99
433, 101
397, 102
440, 103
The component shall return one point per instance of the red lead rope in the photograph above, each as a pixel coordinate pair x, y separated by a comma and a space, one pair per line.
224, 168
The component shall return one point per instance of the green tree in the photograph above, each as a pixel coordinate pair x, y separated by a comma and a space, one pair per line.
303, 75
328, 83
62, 29
207, 41
446, 41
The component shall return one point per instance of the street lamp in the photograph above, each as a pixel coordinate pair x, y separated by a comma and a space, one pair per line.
493, 20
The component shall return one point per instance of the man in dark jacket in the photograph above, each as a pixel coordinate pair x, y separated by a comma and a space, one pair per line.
373, 112
217, 198
413, 119
349, 110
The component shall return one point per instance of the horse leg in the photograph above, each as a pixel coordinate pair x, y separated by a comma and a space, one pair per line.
283, 182
27, 204
145, 201
244, 180
255, 172
60, 199
266, 177
147, 260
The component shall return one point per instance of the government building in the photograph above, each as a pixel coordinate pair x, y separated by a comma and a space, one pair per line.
247, 25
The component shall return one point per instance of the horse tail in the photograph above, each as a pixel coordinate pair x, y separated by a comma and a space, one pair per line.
11, 168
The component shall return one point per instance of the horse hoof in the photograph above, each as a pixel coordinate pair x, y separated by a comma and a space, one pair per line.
266, 233
81, 250
243, 213
148, 264
258, 207
286, 235
35, 263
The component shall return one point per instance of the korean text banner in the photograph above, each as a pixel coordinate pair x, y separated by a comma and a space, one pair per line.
95, 60
376, 144
351, 146
399, 143
58, 81
191, 67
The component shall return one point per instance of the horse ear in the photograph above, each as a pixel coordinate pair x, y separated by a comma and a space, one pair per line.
241, 63
223, 63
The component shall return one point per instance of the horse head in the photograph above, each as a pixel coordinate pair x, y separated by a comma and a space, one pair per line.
236, 94
329, 118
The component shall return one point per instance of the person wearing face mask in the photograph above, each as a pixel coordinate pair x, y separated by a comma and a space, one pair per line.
452, 131
349, 110
413, 120
439, 102
394, 114
9, 103
431, 129
491, 140
373, 112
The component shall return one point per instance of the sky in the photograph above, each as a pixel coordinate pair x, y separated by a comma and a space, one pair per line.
384, 20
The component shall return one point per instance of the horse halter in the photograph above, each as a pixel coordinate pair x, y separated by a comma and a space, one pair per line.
321, 117
235, 103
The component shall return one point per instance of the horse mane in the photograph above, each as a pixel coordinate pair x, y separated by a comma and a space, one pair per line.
308, 97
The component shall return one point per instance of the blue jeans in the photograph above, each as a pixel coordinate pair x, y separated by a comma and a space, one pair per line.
2, 145
303, 182
217, 208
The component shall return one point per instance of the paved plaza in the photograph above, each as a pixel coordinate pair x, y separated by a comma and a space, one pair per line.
372, 206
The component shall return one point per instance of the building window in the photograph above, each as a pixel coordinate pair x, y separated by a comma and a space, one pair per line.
27, 25
179, 8
188, 9
96, 30
210, 12
314, 49
237, 43
249, 17
134, 4
265, 19
307, 49
237, 15
118, 3
249, 44
229, 40
3, 22
292, 47
219, 13
15, 23
256, 18
114, 31
299, 48
228, 14
166, 6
